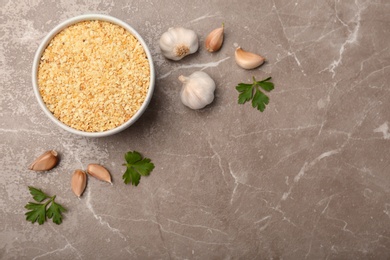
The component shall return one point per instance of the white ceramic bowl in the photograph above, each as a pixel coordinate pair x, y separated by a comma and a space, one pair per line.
61, 27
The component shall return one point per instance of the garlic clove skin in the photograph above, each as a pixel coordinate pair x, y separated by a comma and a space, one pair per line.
198, 90
215, 39
45, 162
99, 172
178, 42
248, 60
79, 182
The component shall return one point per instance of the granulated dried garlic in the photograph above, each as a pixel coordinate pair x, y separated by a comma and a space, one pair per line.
94, 76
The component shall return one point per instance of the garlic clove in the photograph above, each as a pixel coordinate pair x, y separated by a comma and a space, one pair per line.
45, 162
99, 172
215, 39
178, 42
248, 60
198, 90
79, 182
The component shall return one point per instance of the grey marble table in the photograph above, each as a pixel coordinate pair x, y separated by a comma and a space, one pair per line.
309, 178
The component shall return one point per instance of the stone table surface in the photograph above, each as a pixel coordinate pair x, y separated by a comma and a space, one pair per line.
309, 178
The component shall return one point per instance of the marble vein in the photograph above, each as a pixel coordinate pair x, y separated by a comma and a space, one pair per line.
298, 128
185, 155
372, 73
209, 229
384, 129
363, 169
307, 166
126, 218
237, 182
216, 154
52, 252
206, 16
280, 20
262, 219
187, 237
28, 131
48, 253
344, 228
294, 55
375, 54
351, 39
387, 209
315, 225
203, 66
99, 218
289, 51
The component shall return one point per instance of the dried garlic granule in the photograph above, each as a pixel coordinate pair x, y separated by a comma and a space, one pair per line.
94, 76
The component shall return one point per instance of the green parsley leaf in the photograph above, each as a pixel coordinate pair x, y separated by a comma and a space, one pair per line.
136, 167
54, 211
246, 93
260, 100
37, 194
38, 212
132, 157
144, 167
131, 176
266, 85
252, 92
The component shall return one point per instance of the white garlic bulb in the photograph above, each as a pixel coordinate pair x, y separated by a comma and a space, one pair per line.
198, 90
178, 42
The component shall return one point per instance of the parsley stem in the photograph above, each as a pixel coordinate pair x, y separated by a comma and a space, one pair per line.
50, 200
47, 202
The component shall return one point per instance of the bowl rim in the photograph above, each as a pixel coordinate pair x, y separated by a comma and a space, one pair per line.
62, 26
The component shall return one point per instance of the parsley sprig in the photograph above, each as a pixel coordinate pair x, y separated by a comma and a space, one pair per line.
252, 92
136, 167
39, 211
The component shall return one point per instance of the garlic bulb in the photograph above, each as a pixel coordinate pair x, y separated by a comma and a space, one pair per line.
178, 42
198, 90
248, 60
